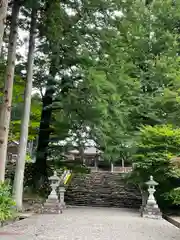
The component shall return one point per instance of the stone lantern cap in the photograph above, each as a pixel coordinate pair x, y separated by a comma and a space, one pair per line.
151, 182
54, 177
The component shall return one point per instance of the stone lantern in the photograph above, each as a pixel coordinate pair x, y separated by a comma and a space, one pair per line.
52, 203
151, 210
54, 183
151, 190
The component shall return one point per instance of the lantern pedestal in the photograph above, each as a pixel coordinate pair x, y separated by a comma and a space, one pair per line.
51, 207
151, 212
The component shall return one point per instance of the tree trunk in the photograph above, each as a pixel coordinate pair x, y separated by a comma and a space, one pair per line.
40, 166
8, 88
144, 196
112, 167
3, 13
122, 164
81, 153
20, 164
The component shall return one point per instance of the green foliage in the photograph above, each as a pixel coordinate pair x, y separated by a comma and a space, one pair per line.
35, 117
17, 106
43, 189
117, 79
7, 205
136, 80
117, 73
174, 196
28, 157
105, 76
156, 148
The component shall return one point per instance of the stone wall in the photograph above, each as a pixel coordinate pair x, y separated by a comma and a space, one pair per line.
103, 189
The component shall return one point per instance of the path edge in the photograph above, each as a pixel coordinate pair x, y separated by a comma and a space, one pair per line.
171, 220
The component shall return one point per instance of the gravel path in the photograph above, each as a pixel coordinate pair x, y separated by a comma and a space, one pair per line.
91, 224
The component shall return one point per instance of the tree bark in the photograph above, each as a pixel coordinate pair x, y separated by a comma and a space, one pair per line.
8, 88
144, 196
112, 167
20, 164
122, 163
3, 13
81, 153
40, 166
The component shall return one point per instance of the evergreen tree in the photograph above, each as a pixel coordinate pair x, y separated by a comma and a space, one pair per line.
8, 88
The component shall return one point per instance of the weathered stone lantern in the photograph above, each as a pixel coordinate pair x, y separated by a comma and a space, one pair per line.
151, 210
52, 203
151, 189
54, 183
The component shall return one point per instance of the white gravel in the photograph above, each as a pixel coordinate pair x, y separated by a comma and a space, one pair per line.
91, 224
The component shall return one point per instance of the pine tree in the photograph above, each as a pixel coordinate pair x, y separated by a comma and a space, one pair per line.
8, 88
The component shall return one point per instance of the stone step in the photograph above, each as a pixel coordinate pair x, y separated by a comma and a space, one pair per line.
102, 189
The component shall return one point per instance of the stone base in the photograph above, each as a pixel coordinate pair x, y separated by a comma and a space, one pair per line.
151, 212
51, 207
62, 205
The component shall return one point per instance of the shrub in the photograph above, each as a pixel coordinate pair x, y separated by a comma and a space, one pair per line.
156, 147
7, 205
174, 196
